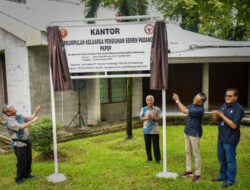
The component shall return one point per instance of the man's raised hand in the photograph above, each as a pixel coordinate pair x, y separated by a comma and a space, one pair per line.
35, 119
37, 109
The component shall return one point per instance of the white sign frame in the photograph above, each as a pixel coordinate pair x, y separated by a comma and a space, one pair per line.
107, 73
59, 177
108, 48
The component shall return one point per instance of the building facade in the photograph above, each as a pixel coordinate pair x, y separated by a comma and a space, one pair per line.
196, 63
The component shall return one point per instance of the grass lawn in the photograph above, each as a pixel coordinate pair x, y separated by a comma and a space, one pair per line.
112, 162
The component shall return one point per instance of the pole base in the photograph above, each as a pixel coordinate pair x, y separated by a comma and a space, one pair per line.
55, 178
167, 175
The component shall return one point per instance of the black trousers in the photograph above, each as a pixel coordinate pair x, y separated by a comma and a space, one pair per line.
148, 139
24, 161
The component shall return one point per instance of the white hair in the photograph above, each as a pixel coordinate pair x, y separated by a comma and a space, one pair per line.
150, 96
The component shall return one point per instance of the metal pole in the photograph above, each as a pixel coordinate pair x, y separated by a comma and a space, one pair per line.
164, 130
79, 108
53, 120
109, 76
165, 174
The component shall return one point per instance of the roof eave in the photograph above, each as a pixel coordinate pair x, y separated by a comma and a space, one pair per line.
31, 36
215, 59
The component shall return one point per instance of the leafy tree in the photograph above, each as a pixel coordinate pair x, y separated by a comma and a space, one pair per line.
91, 8
225, 19
43, 137
125, 8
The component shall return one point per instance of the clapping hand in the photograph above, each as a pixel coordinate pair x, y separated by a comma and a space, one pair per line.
217, 113
149, 117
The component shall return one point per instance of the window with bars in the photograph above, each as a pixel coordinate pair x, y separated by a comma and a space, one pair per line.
113, 90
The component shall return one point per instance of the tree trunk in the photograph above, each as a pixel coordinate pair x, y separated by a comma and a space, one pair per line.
129, 133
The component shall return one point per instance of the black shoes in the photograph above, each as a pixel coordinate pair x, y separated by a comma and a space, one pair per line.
19, 181
226, 184
30, 176
217, 179
157, 161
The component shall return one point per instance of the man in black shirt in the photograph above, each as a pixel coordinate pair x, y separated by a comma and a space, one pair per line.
192, 132
230, 115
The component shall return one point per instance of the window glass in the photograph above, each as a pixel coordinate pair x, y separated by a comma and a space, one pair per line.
113, 90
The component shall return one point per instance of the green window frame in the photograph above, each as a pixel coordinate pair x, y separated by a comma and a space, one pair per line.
113, 90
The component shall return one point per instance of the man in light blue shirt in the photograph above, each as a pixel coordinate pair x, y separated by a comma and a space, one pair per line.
151, 114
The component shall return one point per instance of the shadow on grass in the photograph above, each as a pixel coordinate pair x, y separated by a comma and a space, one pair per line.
61, 157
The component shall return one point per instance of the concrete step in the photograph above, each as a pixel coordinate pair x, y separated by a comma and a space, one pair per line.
5, 139
5, 150
5, 145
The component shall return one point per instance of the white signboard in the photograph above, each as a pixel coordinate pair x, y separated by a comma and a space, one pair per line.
120, 47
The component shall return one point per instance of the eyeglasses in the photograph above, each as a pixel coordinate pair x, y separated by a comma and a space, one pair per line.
197, 99
229, 96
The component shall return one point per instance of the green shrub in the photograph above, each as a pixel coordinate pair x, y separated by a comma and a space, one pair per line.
43, 136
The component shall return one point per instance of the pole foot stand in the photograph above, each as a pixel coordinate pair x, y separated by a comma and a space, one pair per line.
55, 178
167, 175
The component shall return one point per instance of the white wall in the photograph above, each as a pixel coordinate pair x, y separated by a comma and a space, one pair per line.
205, 83
17, 72
93, 104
